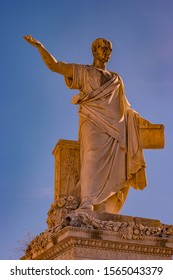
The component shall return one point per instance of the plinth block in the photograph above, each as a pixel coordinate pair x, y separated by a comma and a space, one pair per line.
129, 238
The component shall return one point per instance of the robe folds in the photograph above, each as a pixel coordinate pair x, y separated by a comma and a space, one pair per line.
111, 158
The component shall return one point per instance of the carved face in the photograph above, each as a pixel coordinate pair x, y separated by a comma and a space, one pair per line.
103, 50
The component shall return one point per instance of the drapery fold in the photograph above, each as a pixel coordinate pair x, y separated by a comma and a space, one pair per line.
111, 159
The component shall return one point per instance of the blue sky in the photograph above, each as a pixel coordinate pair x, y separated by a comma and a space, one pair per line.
35, 108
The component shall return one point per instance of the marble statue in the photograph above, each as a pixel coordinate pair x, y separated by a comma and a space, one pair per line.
112, 158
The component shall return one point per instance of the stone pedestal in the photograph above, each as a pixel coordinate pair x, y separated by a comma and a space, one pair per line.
101, 236
74, 234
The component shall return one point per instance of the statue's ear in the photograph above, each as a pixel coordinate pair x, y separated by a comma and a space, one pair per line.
94, 50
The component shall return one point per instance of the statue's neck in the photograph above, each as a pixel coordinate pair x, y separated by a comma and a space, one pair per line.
99, 64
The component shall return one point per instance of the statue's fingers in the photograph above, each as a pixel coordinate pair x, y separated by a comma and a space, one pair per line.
25, 38
29, 38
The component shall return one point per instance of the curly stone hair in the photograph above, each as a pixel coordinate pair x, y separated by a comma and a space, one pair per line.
96, 43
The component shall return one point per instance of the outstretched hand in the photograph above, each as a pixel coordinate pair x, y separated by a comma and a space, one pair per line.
32, 41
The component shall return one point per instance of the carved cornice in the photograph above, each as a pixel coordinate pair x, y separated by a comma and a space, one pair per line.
65, 144
71, 238
85, 243
84, 230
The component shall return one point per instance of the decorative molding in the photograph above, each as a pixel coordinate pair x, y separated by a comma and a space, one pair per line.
59, 210
69, 167
62, 216
66, 248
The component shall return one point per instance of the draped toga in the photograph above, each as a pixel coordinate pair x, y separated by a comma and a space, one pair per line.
111, 158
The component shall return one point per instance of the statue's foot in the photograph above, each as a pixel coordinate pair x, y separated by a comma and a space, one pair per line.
86, 205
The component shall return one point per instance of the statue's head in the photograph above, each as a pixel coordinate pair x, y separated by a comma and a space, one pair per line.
102, 49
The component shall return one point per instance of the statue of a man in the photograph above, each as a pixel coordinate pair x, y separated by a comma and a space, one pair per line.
111, 157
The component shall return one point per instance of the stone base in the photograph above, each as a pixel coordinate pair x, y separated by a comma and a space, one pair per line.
80, 243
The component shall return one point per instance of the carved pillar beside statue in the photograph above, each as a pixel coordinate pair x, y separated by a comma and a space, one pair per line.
67, 168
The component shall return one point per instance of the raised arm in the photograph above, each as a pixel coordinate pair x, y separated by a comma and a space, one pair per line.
62, 68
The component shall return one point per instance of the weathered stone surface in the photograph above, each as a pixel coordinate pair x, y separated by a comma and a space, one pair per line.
115, 237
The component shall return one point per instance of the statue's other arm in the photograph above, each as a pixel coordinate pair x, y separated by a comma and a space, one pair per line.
62, 68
